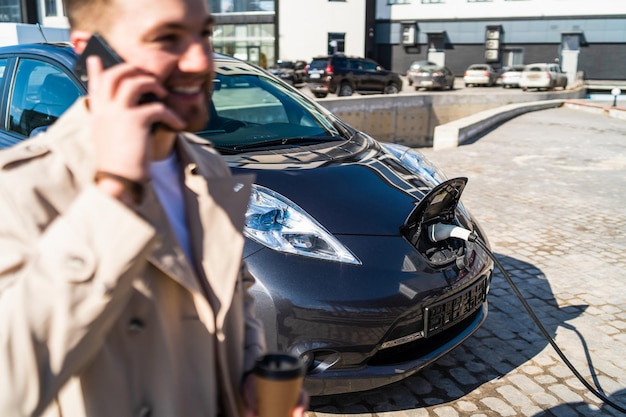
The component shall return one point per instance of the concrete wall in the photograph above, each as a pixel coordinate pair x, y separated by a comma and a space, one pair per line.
410, 119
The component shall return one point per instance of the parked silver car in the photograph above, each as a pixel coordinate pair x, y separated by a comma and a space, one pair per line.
543, 76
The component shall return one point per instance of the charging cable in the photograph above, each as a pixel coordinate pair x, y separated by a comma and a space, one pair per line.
440, 231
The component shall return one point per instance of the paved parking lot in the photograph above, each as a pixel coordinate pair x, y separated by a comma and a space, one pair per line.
549, 189
459, 87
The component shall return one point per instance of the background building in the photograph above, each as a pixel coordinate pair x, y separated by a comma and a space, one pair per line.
582, 35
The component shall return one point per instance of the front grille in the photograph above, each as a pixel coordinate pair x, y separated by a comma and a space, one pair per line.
422, 347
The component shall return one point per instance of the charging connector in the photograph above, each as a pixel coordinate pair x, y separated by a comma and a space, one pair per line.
440, 231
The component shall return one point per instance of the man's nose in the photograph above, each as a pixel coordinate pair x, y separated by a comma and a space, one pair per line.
198, 57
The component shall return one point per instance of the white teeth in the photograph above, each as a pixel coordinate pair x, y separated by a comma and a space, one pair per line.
187, 90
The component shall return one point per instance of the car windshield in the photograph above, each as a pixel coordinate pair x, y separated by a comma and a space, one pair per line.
420, 64
253, 110
430, 68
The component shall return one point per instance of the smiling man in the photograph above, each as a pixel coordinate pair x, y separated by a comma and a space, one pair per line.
122, 291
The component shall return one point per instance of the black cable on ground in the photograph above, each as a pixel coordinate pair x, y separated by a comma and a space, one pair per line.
543, 330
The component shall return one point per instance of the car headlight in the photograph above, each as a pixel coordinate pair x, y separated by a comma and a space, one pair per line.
417, 163
278, 223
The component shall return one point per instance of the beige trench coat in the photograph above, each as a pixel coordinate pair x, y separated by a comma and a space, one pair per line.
101, 313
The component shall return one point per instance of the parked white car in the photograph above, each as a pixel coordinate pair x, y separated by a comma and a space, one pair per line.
542, 76
510, 76
480, 74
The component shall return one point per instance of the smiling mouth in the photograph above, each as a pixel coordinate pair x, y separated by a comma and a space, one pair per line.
187, 90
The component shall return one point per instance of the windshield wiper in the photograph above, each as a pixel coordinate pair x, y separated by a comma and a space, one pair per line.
287, 141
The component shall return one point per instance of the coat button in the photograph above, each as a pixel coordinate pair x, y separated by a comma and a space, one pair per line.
144, 411
75, 263
136, 325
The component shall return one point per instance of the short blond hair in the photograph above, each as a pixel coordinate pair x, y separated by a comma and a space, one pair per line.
92, 15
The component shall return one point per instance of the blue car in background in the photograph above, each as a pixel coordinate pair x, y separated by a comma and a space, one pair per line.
337, 230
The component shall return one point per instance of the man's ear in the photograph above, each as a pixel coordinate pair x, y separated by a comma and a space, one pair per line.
79, 39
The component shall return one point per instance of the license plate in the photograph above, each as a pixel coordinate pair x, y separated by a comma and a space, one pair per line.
447, 313
429, 83
314, 75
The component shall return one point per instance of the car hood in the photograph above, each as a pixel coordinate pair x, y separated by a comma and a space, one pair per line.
353, 187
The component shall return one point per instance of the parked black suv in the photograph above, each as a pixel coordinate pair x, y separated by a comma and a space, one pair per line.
344, 75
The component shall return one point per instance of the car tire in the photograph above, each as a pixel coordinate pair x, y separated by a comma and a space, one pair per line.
320, 95
345, 90
391, 89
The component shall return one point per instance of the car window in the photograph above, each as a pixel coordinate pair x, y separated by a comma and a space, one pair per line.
370, 66
3, 67
355, 64
40, 94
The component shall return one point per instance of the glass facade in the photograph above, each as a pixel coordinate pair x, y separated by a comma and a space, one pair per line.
238, 6
10, 11
245, 29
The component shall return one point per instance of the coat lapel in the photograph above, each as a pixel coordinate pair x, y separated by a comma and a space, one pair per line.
216, 206
167, 254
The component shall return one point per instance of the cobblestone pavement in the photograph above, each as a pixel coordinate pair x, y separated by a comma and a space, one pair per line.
549, 188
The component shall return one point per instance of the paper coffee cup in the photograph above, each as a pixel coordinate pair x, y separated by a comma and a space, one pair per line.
279, 379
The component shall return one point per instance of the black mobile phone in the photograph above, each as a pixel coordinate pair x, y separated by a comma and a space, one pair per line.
100, 47
96, 46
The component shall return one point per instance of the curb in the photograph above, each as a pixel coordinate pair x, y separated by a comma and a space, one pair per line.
607, 110
451, 135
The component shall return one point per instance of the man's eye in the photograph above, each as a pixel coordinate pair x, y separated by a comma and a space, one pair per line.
167, 38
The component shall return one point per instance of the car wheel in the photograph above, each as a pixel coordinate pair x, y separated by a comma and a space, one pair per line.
565, 85
320, 95
524, 88
391, 89
345, 90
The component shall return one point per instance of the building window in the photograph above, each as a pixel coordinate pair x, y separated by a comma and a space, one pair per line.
398, 1
336, 43
241, 6
432, 1
10, 11
51, 7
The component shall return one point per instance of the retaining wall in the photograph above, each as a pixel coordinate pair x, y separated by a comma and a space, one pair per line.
411, 118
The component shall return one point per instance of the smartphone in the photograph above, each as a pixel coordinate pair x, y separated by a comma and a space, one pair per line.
98, 46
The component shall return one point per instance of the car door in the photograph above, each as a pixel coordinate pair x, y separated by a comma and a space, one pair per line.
375, 78
36, 94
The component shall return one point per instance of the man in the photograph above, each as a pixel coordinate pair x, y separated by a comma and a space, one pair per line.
121, 286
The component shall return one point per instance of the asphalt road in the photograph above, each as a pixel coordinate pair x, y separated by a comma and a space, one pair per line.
549, 189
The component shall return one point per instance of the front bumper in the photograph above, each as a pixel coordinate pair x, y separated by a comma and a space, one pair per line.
362, 327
